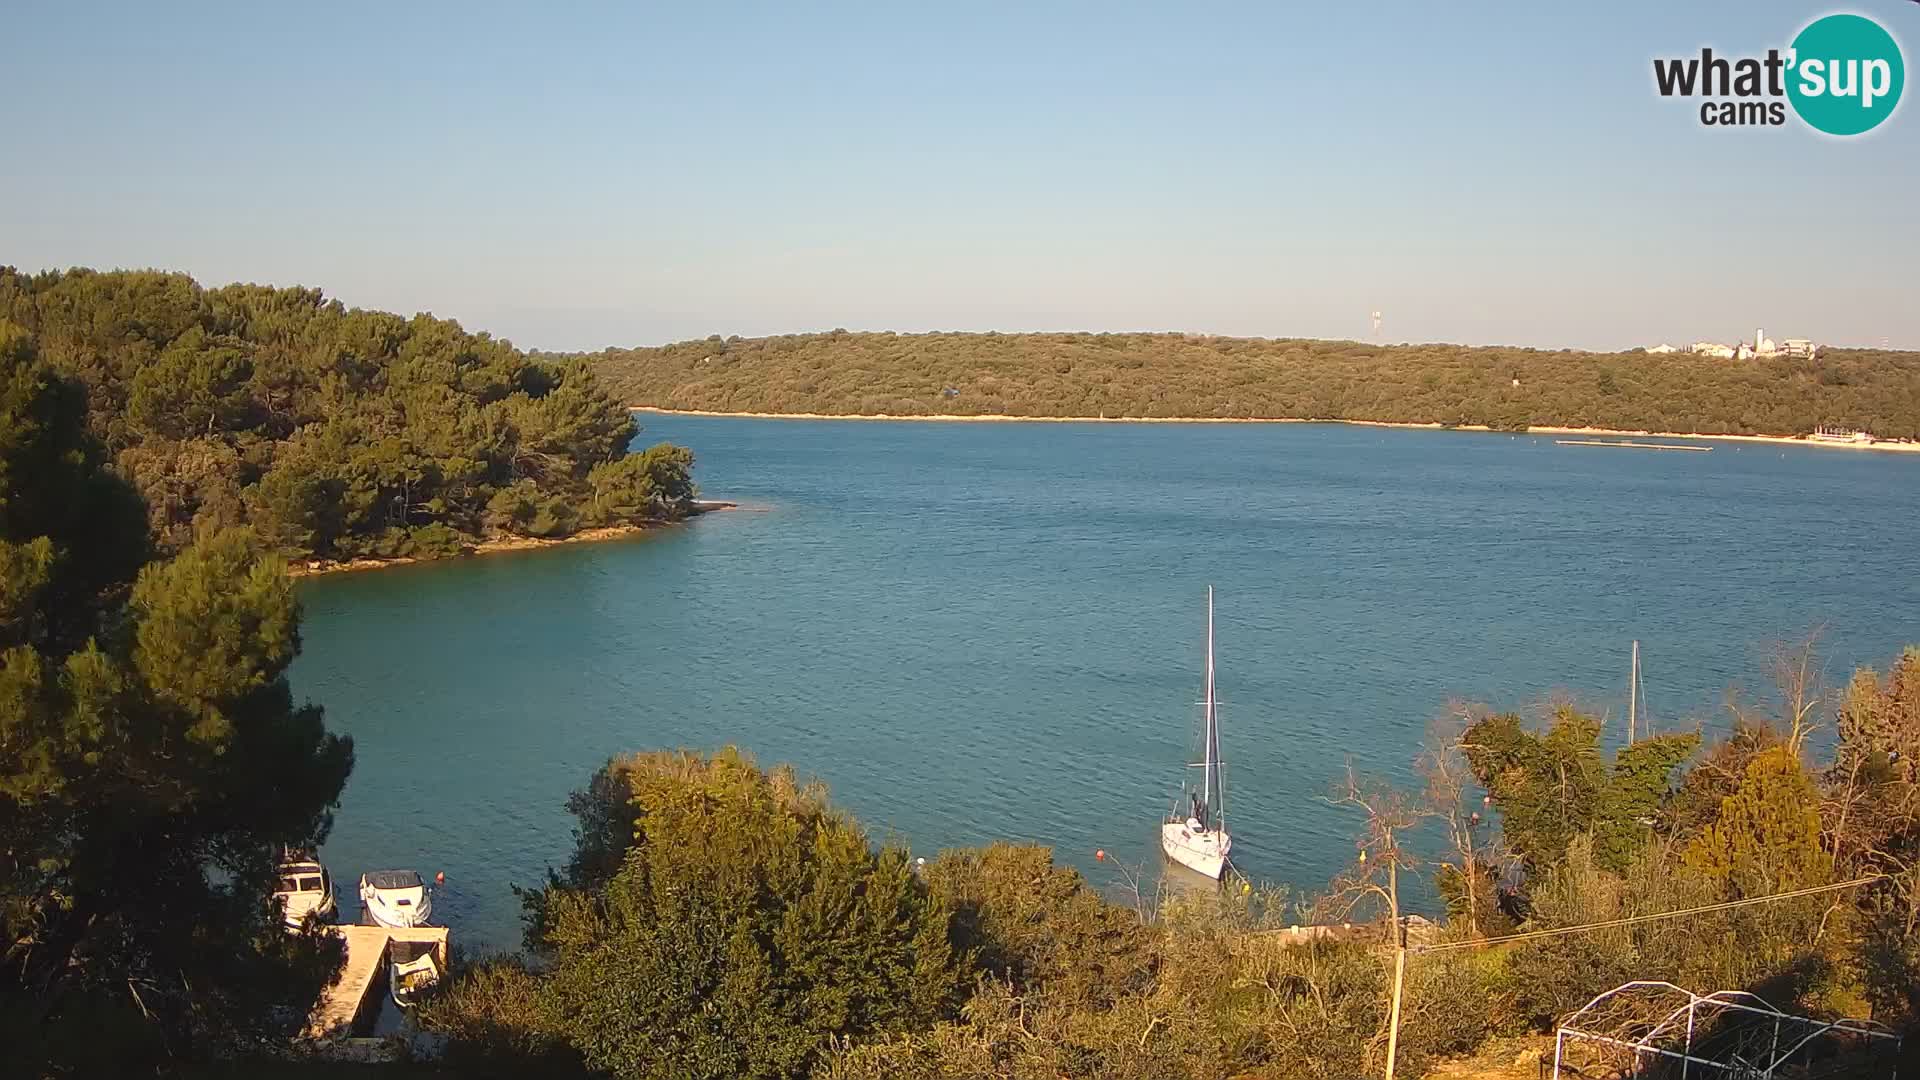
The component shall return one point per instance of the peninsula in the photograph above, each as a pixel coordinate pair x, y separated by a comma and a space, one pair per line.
341, 437
498, 545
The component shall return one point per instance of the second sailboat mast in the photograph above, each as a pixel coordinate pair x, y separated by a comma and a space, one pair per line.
1210, 758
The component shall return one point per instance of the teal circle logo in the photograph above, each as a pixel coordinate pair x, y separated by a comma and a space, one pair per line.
1847, 74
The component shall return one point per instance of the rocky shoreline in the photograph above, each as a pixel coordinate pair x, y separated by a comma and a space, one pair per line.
316, 567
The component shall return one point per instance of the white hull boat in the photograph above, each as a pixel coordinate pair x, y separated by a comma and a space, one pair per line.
412, 971
1203, 851
1195, 834
395, 898
305, 890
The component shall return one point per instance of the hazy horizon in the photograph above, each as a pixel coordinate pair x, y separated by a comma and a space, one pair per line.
1679, 343
617, 177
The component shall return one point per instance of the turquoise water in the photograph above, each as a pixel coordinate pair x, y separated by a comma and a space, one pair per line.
974, 631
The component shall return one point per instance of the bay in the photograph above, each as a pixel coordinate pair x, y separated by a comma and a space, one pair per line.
978, 631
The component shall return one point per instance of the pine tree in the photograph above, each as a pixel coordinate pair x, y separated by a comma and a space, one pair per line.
1767, 837
747, 925
152, 763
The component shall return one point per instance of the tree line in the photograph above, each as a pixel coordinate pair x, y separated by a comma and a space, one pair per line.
153, 763
720, 920
1187, 375
335, 433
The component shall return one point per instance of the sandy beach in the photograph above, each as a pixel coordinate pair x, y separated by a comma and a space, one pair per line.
1782, 440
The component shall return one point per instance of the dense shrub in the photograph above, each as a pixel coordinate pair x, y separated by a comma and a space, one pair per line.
747, 925
496, 1022
1031, 924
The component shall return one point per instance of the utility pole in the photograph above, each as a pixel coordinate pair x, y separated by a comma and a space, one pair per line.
1399, 950
1633, 693
1387, 813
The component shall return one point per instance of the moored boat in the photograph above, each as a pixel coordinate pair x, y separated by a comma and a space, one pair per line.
1195, 834
412, 970
395, 898
305, 889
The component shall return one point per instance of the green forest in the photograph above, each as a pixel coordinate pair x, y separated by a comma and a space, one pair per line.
335, 433
153, 763
1175, 375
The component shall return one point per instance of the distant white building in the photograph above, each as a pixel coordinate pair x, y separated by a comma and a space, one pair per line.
1840, 435
1761, 345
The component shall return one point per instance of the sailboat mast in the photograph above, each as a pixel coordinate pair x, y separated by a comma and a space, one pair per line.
1633, 694
1208, 761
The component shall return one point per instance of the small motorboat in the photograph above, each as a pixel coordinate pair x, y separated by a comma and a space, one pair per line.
395, 898
305, 889
412, 970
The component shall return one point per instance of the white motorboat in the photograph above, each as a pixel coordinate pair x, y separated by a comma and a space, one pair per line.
305, 889
1195, 834
412, 970
395, 898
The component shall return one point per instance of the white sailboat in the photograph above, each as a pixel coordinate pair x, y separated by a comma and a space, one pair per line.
1195, 834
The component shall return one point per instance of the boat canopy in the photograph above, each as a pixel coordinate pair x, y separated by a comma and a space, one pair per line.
402, 953
394, 879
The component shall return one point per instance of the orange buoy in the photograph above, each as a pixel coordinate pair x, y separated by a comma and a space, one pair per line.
440, 878
1100, 854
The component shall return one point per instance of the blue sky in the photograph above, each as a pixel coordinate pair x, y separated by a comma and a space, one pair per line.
622, 174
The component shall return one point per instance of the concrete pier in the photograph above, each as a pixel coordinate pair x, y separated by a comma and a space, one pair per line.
348, 1007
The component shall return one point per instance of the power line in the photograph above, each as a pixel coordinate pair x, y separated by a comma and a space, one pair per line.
1631, 920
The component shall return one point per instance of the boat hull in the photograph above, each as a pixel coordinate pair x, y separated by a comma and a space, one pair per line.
379, 914
1204, 851
324, 910
396, 909
409, 981
297, 903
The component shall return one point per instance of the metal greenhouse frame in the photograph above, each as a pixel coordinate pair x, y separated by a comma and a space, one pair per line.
1651, 1029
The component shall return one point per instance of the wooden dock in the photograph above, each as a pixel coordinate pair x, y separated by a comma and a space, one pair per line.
1631, 443
348, 1007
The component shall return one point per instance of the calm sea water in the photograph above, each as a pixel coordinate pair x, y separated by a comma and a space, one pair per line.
979, 631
